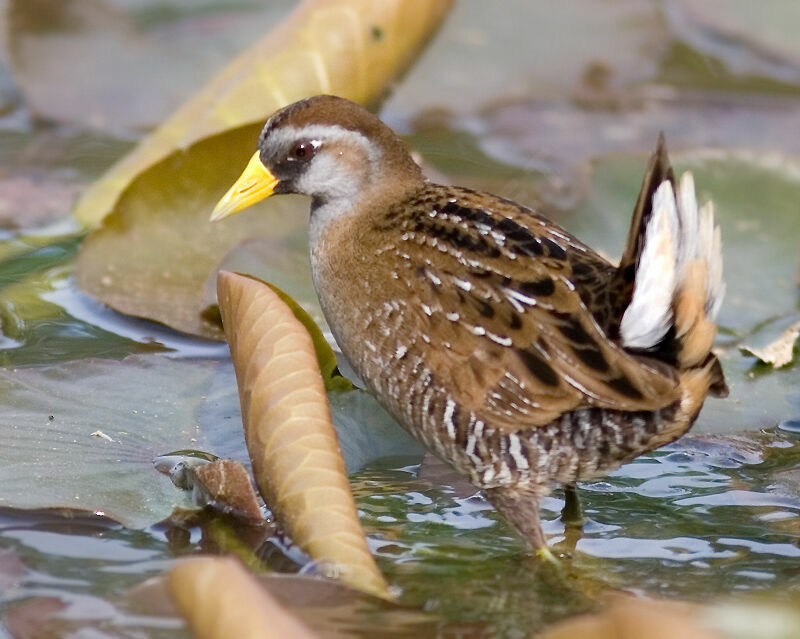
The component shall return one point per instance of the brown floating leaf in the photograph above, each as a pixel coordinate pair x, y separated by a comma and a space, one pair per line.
779, 351
220, 599
155, 251
630, 618
11, 570
28, 620
225, 484
292, 443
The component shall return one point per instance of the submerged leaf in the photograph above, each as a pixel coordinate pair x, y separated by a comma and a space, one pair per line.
630, 618
12, 571
28, 619
155, 250
220, 599
296, 459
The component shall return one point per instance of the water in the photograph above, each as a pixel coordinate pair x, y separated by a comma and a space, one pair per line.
701, 520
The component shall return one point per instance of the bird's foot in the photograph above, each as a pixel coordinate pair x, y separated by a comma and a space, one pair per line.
545, 554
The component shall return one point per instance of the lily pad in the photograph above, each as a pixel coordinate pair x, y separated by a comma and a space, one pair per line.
557, 142
755, 200
53, 52
84, 434
750, 38
486, 55
152, 256
36, 328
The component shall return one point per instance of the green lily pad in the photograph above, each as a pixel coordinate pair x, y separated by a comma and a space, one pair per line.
756, 207
751, 38
487, 54
84, 434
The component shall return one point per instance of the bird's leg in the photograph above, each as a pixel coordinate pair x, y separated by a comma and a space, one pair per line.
521, 510
572, 513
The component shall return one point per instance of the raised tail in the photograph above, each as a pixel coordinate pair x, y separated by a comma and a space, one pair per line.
674, 255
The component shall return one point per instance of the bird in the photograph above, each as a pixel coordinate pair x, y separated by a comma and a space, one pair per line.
505, 345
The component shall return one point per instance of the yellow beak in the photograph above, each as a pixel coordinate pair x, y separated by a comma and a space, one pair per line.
255, 184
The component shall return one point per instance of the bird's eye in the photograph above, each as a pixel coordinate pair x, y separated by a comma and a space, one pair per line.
303, 151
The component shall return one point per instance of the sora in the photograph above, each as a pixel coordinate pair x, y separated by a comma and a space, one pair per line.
509, 348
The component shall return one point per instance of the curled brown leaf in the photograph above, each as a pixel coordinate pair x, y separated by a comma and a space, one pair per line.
220, 599
292, 443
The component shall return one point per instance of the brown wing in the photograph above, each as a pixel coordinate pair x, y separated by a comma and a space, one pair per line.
515, 342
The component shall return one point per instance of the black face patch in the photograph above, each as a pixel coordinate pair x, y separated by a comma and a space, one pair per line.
287, 171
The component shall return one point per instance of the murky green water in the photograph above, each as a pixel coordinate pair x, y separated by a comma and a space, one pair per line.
567, 125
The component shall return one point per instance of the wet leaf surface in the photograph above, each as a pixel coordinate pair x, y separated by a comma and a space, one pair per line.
297, 461
85, 434
750, 40
464, 70
137, 404
152, 257
219, 598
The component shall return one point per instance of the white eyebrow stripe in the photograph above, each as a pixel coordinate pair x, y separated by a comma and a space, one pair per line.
284, 135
